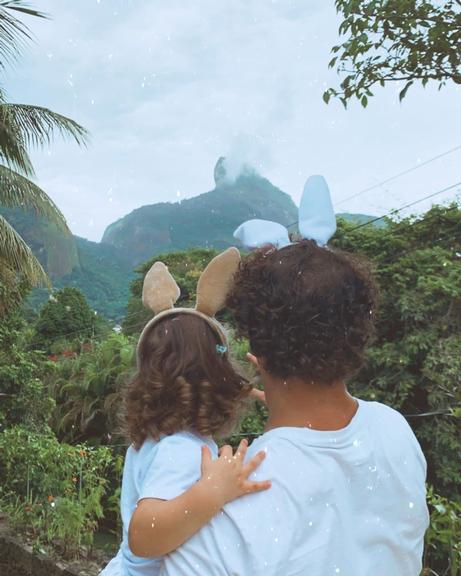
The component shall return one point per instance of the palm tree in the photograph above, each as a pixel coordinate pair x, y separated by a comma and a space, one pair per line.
23, 126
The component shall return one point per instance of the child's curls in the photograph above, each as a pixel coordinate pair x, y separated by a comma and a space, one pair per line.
183, 382
307, 311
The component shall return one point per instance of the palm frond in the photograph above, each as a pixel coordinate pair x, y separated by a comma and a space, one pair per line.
21, 6
10, 289
36, 126
17, 190
19, 257
13, 149
14, 35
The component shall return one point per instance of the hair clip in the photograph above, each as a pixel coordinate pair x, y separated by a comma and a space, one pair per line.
220, 349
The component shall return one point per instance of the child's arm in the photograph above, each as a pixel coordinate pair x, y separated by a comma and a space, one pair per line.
158, 527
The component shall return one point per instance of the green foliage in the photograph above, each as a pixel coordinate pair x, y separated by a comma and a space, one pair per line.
104, 277
254, 418
395, 40
443, 538
97, 269
414, 364
65, 317
23, 126
51, 244
87, 390
185, 267
24, 399
51, 490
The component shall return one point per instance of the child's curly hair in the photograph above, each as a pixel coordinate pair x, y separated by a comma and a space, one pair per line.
184, 382
307, 310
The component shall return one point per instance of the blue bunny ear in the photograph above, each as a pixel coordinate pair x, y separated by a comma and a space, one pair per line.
257, 233
317, 219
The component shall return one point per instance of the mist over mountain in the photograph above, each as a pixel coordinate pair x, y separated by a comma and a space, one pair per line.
103, 270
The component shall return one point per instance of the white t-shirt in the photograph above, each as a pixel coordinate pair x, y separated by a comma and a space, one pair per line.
161, 469
344, 503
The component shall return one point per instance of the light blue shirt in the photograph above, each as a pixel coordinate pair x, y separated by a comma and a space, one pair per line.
161, 469
349, 502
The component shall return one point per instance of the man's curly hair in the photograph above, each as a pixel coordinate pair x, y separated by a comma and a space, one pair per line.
183, 383
307, 310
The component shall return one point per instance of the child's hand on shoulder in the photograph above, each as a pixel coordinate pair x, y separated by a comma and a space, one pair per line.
226, 478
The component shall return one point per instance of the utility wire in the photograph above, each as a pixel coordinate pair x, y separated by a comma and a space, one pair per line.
400, 174
392, 233
396, 210
393, 212
445, 412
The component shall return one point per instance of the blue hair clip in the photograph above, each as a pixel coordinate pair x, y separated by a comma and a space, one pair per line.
220, 349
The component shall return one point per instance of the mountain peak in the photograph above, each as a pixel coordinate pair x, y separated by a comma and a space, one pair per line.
228, 171
220, 173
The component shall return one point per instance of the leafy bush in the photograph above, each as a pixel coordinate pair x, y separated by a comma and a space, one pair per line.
24, 399
414, 364
54, 491
443, 538
87, 390
66, 316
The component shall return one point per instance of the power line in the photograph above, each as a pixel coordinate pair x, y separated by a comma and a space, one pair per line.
396, 211
252, 434
423, 220
392, 212
400, 174
392, 233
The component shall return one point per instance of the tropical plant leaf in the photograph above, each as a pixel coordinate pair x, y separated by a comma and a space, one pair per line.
21, 6
10, 289
14, 35
17, 190
13, 150
36, 125
19, 257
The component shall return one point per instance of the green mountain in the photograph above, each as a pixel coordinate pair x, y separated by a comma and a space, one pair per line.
208, 220
103, 271
56, 251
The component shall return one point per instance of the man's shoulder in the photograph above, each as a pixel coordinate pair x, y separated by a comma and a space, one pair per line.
382, 417
380, 410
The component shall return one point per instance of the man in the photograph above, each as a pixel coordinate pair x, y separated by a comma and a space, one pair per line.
348, 476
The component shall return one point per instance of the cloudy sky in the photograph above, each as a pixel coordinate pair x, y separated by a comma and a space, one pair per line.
167, 86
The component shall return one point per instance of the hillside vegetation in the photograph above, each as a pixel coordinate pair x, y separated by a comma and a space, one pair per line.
103, 270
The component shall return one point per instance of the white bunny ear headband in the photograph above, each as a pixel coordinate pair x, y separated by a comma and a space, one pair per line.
317, 220
160, 293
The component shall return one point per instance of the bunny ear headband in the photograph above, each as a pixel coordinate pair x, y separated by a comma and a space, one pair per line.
316, 221
160, 293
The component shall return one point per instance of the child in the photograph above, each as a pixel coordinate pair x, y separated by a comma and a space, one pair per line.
185, 391
348, 494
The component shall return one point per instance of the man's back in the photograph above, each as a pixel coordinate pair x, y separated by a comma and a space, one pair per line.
349, 503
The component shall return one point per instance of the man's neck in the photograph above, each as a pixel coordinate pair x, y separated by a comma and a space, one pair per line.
296, 403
